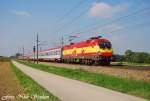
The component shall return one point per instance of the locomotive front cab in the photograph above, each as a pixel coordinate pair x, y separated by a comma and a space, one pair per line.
105, 48
104, 45
105, 51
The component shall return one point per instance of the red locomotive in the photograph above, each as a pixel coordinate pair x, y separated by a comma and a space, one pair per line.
93, 50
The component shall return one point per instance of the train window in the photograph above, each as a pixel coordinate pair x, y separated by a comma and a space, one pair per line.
53, 52
50, 52
105, 45
42, 54
57, 52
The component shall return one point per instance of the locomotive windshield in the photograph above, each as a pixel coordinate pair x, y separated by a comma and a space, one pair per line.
105, 45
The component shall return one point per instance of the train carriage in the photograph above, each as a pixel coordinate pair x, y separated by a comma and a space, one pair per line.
51, 54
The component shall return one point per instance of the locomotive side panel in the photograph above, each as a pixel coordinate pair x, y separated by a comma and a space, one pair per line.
96, 50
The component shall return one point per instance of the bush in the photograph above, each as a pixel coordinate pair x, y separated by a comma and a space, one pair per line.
137, 57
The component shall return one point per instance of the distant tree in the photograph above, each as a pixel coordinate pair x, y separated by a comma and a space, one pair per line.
129, 55
12, 57
17, 55
148, 59
137, 57
141, 57
118, 58
4, 59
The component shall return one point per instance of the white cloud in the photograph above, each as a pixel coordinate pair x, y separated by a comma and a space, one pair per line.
21, 13
105, 10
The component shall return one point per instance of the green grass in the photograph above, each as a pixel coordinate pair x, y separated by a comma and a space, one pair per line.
136, 64
133, 87
31, 87
131, 64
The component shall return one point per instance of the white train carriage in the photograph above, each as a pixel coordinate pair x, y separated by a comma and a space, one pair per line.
52, 54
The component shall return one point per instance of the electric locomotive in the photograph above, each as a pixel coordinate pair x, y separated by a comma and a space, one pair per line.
96, 50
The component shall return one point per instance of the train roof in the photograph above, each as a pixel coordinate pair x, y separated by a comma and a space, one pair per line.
50, 49
91, 41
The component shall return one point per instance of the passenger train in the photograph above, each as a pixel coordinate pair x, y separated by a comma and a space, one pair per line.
95, 50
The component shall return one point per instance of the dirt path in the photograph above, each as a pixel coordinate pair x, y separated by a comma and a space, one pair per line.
9, 85
119, 71
73, 90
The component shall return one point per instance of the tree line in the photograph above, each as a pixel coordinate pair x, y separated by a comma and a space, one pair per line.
4, 59
133, 57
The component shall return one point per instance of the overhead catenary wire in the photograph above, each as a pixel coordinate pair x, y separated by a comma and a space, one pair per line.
97, 26
73, 20
111, 22
129, 27
71, 10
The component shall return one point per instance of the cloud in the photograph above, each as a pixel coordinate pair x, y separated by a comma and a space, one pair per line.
21, 13
105, 10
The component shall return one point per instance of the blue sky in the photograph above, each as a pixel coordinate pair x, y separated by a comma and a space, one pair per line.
20, 20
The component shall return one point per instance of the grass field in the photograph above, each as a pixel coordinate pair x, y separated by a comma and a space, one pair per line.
31, 87
9, 84
131, 64
133, 87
